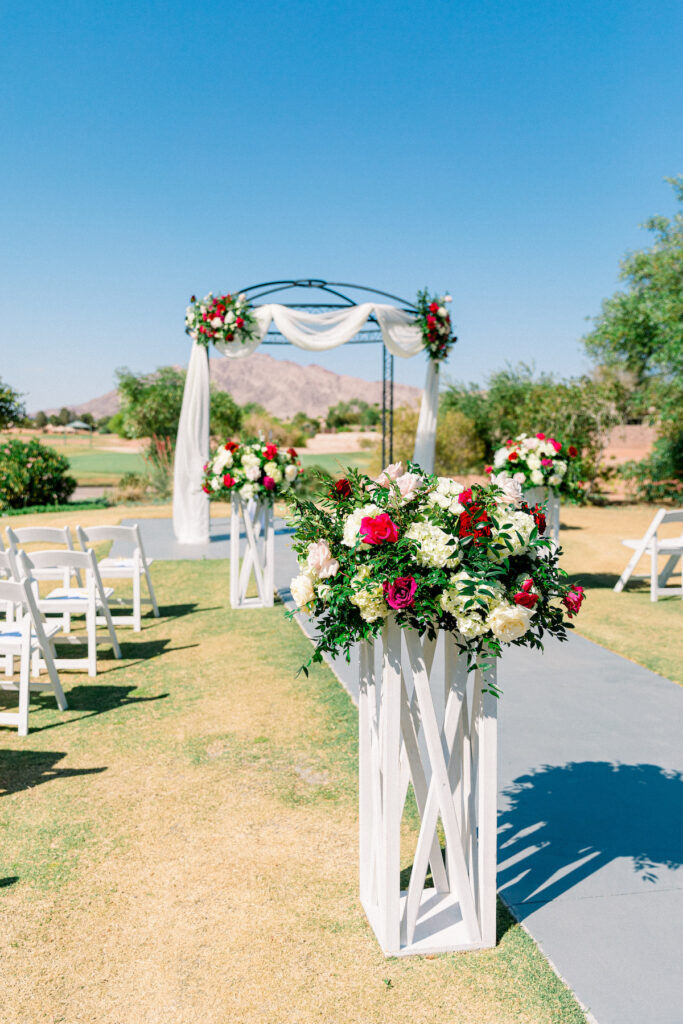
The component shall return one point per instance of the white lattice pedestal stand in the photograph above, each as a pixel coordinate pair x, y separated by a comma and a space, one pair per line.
445, 743
544, 496
258, 557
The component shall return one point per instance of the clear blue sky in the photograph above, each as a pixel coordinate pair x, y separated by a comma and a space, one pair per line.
506, 151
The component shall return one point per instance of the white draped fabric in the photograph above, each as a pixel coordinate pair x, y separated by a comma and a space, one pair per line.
315, 332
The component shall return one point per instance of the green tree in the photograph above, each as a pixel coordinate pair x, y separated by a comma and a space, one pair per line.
64, 416
12, 409
641, 327
151, 403
40, 420
226, 415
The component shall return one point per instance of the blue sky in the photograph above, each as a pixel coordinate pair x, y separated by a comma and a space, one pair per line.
505, 151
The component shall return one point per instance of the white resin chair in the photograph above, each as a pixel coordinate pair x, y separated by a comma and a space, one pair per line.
27, 637
132, 567
65, 601
55, 536
654, 546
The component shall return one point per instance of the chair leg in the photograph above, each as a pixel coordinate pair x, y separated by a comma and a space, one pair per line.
136, 603
152, 596
49, 655
91, 627
654, 575
24, 687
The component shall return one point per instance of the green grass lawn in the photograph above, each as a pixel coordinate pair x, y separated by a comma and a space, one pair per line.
94, 467
182, 843
336, 463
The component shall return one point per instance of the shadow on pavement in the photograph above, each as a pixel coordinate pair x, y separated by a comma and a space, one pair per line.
564, 822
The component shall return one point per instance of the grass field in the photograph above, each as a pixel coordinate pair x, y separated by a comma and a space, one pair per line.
105, 467
336, 463
181, 845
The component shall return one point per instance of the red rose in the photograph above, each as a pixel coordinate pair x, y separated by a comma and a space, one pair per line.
488, 469
229, 481
292, 452
539, 518
268, 483
239, 322
572, 452
573, 600
231, 446
465, 496
526, 600
556, 444
512, 456
270, 451
343, 488
193, 298
433, 307
206, 489
400, 593
378, 529
527, 585
474, 522
431, 321
541, 437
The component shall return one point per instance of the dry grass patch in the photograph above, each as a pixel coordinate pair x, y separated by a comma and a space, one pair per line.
628, 623
181, 845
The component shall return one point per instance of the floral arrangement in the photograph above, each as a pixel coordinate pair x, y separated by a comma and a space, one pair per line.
538, 461
474, 561
226, 318
254, 469
435, 324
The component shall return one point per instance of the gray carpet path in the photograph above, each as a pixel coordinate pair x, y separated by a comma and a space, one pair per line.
590, 843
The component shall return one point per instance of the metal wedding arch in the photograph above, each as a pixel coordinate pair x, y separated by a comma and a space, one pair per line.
374, 317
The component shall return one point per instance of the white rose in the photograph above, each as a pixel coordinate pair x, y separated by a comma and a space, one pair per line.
501, 457
222, 461
447, 298
442, 311
291, 473
554, 479
533, 462
509, 622
242, 297
247, 491
302, 591
216, 322
216, 483
229, 317
252, 472
409, 484
509, 485
537, 478
560, 467
320, 560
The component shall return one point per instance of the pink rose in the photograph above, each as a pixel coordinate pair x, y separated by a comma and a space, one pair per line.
408, 485
465, 496
400, 593
488, 469
268, 483
378, 529
573, 600
541, 437
392, 472
556, 444
229, 481
546, 462
320, 560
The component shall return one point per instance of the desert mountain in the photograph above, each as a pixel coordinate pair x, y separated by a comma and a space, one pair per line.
291, 388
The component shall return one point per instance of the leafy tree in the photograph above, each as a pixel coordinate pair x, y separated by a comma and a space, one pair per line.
87, 417
40, 420
458, 448
151, 403
12, 409
64, 416
353, 413
226, 415
642, 326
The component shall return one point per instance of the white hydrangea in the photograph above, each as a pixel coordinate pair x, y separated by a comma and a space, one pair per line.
247, 491
463, 601
509, 622
270, 469
369, 599
446, 495
353, 521
215, 483
560, 467
554, 479
471, 626
252, 472
533, 462
223, 460
537, 478
500, 458
250, 459
514, 526
436, 548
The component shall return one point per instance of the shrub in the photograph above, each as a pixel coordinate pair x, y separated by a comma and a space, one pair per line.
659, 477
458, 448
131, 487
33, 474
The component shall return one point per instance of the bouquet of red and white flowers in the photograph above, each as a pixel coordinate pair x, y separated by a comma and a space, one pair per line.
435, 323
538, 461
226, 318
252, 469
474, 561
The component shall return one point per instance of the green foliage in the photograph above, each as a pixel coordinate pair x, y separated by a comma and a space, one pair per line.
33, 474
458, 446
659, 478
582, 410
151, 403
12, 409
40, 420
355, 413
642, 327
159, 459
226, 415
64, 416
116, 424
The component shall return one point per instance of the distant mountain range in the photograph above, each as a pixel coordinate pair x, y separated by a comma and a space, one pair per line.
290, 388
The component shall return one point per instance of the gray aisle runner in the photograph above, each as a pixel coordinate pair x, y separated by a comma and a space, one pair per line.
590, 844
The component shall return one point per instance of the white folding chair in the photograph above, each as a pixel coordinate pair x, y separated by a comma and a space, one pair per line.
653, 545
27, 637
55, 536
131, 567
66, 600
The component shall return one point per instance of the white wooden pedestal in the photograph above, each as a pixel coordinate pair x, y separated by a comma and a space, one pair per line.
258, 556
544, 496
443, 739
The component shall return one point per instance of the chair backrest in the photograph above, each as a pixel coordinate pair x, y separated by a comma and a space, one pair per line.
126, 534
8, 564
65, 560
56, 535
18, 592
674, 515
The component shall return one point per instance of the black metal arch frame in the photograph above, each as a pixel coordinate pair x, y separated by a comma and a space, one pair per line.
369, 335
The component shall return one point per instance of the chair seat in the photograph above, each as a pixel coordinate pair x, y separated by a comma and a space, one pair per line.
13, 636
70, 599
107, 564
670, 546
